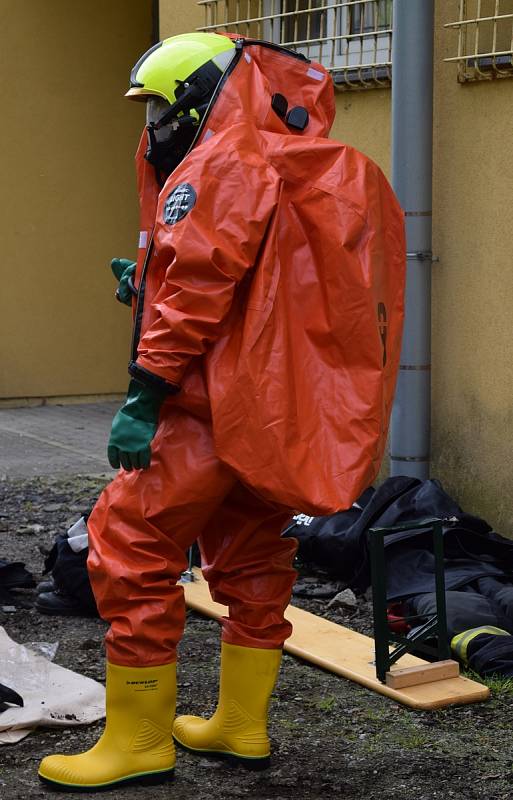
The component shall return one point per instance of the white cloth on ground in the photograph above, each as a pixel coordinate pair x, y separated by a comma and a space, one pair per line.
52, 695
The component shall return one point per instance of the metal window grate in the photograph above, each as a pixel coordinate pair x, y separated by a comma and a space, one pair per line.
351, 38
485, 40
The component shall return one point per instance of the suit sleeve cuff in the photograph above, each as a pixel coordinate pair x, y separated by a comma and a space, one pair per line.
151, 380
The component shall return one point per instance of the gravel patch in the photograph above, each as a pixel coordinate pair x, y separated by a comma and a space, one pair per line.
331, 738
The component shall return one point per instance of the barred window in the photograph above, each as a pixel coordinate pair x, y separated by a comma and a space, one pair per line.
483, 40
371, 17
299, 26
351, 38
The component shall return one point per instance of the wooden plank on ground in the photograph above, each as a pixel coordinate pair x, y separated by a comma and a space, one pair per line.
349, 654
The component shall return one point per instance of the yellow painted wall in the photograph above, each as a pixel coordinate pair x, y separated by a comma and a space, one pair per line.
472, 286
179, 16
363, 121
68, 201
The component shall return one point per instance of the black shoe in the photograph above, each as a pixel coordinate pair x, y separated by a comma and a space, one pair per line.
46, 586
13, 575
60, 603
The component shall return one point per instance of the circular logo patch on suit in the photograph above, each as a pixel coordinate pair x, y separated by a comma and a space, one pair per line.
178, 203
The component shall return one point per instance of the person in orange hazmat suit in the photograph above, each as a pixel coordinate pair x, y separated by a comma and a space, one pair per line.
267, 331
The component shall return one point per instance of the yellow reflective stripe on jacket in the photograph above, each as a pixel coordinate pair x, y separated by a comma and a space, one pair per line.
461, 641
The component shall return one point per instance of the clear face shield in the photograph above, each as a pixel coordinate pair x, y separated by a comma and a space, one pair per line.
156, 107
167, 144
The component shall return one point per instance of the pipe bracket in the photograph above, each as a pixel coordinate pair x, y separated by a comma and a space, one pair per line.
422, 255
410, 458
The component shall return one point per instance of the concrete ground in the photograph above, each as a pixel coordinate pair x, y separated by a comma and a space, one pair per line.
55, 440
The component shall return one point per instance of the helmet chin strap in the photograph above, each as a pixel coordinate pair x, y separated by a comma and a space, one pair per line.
185, 102
196, 91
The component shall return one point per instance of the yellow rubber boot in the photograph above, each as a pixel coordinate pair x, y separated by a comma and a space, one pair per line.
136, 746
238, 729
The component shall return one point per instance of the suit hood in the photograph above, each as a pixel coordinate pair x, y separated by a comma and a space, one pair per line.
249, 90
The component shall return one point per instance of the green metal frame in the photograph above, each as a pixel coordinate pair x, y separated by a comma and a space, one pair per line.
436, 624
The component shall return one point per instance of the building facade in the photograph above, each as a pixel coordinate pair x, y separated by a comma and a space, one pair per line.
75, 193
69, 202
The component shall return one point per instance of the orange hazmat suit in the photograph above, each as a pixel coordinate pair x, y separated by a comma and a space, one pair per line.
271, 276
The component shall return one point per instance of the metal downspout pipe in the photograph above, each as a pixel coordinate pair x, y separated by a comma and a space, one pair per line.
412, 139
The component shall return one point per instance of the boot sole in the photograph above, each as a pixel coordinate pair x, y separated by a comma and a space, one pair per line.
251, 764
144, 779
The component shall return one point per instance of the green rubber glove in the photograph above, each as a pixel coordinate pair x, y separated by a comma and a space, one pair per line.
123, 270
134, 427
